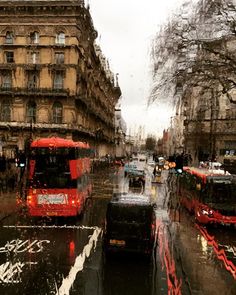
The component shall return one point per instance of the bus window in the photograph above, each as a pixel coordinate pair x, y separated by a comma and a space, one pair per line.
221, 193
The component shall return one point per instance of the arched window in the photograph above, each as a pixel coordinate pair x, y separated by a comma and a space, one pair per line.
57, 112
60, 38
6, 111
34, 38
9, 38
31, 112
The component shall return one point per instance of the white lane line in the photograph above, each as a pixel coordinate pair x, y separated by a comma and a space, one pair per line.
10, 273
79, 263
51, 226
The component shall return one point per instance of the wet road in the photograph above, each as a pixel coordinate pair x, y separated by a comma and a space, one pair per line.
60, 256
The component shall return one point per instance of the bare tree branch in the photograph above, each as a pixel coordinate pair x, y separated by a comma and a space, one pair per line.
190, 50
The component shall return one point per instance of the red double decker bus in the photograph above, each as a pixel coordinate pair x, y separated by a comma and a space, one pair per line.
58, 181
209, 194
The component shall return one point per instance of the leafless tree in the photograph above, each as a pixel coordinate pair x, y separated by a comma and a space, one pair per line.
190, 51
194, 56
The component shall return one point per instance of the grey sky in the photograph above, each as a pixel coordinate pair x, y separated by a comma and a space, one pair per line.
125, 30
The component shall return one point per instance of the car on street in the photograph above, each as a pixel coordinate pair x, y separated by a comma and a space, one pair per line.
130, 224
130, 168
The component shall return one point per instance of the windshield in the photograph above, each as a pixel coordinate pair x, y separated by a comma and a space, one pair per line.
220, 193
68, 153
52, 171
130, 214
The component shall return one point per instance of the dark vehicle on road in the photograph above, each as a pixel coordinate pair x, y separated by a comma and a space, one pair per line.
130, 224
136, 176
156, 175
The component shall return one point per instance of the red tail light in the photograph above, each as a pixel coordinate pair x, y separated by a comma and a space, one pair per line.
29, 199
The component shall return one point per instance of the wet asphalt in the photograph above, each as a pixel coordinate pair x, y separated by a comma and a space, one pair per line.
65, 256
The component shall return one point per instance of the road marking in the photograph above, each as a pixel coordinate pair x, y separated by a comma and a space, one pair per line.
20, 246
10, 273
79, 263
52, 226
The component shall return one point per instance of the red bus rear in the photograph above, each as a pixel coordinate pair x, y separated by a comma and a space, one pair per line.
210, 195
58, 179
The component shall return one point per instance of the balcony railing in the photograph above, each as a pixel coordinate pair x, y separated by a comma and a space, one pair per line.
29, 125
36, 91
47, 126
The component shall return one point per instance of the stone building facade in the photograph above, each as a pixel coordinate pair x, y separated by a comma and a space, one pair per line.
210, 106
206, 118
54, 79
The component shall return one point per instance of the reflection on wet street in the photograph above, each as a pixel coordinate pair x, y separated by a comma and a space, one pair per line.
127, 275
65, 256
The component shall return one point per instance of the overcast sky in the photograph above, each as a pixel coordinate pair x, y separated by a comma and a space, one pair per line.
125, 30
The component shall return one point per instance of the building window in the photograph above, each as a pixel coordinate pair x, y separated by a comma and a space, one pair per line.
6, 111
9, 38
6, 80
32, 80
60, 38
58, 80
57, 113
31, 112
33, 57
59, 58
34, 38
9, 56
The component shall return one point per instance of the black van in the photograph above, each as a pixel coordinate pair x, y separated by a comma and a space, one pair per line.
130, 224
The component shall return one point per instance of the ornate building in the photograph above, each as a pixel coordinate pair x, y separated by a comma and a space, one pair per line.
54, 80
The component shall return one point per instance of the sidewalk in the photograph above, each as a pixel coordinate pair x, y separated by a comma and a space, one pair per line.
7, 204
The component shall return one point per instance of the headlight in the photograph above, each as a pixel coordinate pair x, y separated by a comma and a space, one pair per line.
208, 213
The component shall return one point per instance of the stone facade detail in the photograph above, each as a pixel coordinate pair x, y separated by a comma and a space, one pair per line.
52, 79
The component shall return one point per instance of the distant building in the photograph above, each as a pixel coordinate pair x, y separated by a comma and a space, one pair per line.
138, 135
120, 134
164, 144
